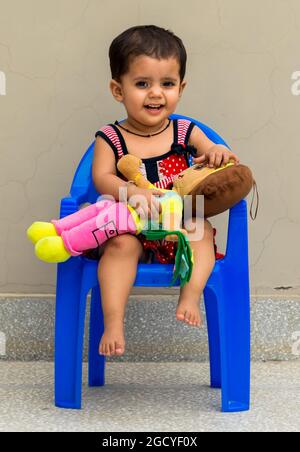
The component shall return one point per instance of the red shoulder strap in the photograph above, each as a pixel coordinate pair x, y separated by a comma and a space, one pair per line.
111, 137
185, 128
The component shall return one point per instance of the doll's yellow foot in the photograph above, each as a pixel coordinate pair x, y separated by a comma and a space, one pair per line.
39, 230
51, 249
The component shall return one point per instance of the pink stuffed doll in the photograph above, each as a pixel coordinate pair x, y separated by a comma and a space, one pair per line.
86, 229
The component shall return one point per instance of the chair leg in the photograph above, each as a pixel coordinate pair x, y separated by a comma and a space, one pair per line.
69, 331
211, 307
96, 361
234, 321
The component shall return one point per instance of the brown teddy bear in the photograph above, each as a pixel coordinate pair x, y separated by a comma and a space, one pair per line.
222, 188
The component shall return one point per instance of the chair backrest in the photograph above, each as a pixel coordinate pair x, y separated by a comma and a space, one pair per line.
83, 187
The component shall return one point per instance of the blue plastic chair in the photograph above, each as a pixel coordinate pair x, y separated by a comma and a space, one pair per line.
227, 302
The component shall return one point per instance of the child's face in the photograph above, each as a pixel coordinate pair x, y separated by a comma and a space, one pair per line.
149, 81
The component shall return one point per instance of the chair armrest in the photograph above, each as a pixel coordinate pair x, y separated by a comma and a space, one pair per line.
237, 236
68, 205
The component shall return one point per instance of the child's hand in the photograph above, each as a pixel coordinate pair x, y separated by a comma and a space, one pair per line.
217, 156
142, 201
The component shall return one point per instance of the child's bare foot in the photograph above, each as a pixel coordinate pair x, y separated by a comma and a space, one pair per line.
188, 311
113, 341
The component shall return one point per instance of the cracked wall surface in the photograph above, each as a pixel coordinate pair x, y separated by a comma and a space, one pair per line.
55, 59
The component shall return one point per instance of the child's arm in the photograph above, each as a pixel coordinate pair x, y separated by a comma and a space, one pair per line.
108, 183
213, 154
104, 173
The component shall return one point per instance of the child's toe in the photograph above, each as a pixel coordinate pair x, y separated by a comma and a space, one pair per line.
119, 350
180, 315
103, 349
187, 317
113, 348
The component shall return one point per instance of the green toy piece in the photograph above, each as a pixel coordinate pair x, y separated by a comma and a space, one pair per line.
184, 255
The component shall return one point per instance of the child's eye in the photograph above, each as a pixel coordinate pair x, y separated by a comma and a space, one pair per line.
169, 84
144, 84
141, 84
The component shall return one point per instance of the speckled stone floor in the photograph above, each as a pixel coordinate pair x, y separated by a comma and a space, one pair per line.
151, 329
147, 397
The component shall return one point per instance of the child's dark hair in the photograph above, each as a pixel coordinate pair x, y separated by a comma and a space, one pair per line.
148, 40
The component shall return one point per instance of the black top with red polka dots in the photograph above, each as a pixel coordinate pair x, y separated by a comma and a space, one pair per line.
160, 171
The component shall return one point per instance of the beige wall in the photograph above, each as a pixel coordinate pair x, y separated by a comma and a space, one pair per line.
54, 64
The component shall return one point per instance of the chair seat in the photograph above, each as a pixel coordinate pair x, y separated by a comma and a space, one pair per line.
159, 275
148, 275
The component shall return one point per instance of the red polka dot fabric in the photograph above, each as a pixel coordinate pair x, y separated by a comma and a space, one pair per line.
171, 166
165, 252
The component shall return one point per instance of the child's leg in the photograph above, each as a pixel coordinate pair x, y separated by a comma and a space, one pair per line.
117, 272
188, 309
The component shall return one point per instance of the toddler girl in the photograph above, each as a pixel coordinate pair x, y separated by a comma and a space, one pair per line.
148, 66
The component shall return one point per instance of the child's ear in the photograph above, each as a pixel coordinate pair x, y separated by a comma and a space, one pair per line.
182, 86
116, 90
